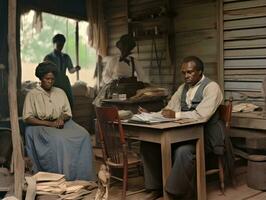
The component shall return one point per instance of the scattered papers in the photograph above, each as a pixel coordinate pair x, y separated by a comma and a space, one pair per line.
244, 107
55, 184
77, 195
149, 118
46, 176
10, 198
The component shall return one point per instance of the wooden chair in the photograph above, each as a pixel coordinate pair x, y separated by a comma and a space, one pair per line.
115, 151
225, 112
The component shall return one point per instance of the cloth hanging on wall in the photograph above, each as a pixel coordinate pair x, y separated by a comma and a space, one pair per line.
37, 23
97, 28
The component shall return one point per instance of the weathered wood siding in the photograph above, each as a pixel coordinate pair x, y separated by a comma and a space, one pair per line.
196, 34
116, 17
244, 49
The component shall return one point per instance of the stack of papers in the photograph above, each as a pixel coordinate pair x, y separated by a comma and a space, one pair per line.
149, 118
45, 183
49, 183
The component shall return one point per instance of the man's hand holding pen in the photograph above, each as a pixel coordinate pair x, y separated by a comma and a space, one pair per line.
165, 112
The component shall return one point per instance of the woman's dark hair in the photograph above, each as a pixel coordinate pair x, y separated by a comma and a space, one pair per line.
59, 38
198, 62
45, 68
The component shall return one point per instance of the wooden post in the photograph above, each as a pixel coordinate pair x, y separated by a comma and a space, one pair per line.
12, 96
77, 46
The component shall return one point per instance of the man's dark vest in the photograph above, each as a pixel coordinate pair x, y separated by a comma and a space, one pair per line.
213, 129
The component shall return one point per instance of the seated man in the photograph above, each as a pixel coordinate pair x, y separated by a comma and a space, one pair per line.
197, 98
54, 142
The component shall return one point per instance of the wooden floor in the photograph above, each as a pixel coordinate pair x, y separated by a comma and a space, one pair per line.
239, 192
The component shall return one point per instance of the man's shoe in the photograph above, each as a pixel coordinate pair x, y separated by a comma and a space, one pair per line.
154, 194
183, 197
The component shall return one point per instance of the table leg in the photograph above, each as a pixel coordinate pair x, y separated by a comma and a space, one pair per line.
166, 162
200, 163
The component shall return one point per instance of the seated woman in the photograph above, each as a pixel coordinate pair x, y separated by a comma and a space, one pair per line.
54, 142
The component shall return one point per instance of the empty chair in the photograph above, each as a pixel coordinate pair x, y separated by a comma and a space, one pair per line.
115, 151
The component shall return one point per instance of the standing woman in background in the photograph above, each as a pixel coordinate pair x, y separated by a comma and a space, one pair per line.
63, 62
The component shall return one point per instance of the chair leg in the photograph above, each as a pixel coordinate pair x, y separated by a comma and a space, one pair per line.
221, 174
125, 182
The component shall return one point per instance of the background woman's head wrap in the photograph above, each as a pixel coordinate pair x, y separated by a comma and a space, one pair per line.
45, 68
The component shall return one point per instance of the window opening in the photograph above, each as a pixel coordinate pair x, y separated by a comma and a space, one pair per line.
36, 44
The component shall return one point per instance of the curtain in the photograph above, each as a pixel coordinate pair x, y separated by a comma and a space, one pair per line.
97, 34
37, 22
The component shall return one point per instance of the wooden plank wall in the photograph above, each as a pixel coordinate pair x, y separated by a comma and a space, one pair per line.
244, 49
196, 34
116, 16
146, 50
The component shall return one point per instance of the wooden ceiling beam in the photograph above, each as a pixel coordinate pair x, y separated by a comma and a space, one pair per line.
75, 9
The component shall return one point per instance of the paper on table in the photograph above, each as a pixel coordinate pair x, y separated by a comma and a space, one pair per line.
153, 117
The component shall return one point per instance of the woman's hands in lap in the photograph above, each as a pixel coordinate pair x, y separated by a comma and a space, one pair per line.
59, 123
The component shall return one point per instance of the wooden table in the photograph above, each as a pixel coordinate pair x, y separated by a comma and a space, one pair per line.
167, 134
248, 125
251, 120
249, 129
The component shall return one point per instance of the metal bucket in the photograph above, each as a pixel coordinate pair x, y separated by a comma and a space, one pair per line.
256, 172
